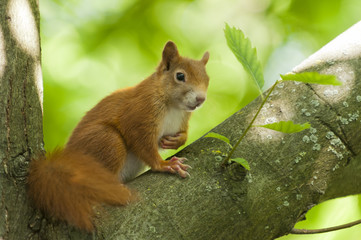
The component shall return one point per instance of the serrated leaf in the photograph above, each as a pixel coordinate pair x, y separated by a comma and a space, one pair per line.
312, 77
242, 162
247, 55
218, 136
286, 127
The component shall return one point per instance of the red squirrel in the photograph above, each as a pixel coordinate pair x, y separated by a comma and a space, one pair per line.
117, 138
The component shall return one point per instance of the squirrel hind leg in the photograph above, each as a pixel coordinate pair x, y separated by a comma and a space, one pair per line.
175, 165
102, 142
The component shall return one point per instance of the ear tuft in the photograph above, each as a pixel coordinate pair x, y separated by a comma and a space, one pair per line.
205, 58
170, 54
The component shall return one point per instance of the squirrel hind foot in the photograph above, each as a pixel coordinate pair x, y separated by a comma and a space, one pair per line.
175, 165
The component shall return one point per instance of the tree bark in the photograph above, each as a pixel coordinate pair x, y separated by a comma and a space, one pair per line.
289, 173
20, 111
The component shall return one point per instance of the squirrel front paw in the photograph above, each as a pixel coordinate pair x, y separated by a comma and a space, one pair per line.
175, 165
173, 142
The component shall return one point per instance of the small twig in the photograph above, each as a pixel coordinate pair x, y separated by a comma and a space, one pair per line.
226, 160
323, 230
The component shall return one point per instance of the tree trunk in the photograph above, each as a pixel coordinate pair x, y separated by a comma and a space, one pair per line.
289, 173
20, 111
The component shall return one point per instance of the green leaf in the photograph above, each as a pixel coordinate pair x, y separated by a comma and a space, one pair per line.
247, 55
312, 77
218, 136
286, 127
242, 162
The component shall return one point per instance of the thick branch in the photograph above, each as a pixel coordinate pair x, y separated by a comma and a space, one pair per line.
289, 173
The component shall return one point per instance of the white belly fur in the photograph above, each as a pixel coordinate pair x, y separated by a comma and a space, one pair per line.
133, 166
172, 122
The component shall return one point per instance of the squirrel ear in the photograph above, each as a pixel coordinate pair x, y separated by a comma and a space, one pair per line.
205, 58
170, 53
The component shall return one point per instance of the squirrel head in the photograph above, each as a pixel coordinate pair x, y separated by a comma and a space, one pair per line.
185, 80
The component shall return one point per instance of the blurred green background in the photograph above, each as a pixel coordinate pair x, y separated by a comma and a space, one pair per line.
92, 47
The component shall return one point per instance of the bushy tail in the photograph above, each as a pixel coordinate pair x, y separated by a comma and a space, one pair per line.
67, 186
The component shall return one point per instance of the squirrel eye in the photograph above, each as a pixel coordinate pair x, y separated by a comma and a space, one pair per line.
180, 77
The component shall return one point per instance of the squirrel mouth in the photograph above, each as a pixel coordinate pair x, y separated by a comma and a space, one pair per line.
192, 108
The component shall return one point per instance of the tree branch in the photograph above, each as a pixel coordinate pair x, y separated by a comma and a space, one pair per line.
289, 173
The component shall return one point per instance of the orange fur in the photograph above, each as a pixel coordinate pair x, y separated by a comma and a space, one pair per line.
68, 183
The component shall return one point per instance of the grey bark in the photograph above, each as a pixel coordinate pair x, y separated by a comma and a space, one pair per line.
289, 173
20, 111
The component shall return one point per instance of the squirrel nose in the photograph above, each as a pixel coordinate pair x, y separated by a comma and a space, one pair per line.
200, 100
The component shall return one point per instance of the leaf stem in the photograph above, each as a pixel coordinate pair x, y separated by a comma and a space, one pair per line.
323, 230
226, 160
